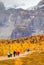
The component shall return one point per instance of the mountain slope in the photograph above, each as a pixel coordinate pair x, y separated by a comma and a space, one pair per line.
15, 23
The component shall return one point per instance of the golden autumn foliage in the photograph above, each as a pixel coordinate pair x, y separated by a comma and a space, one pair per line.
31, 42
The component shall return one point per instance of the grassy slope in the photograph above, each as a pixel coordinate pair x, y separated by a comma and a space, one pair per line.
33, 59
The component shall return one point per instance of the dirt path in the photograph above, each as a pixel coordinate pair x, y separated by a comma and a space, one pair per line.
20, 55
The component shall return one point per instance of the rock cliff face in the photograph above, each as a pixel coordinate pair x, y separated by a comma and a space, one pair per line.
15, 23
41, 5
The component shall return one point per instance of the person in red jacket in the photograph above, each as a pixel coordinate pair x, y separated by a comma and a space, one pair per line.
17, 53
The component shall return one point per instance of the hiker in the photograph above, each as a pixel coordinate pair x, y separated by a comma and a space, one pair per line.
17, 53
14, 53
27, 50
8, 53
